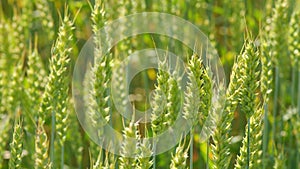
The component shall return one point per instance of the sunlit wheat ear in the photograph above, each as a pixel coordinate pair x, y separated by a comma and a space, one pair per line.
57, 83
59, 69
256, 130
178, 160
294, 42
248, 94
167, 97
16, 146
100, 76
120, 85
144, 151
266, 77
129, 146
55, 97
41, 157
160, 98
99, 19
99, 98
173, 100
222, 138
256, 126
144, 154
249, 78
199, 92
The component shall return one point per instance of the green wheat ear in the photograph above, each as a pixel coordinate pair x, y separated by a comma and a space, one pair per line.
100, 76
129, 146
178, 160
221, 138
160, 98
41, 148
250, 73
59, 69
255, 145
55, 97
16, 146
144, 149
266, 77
199, 92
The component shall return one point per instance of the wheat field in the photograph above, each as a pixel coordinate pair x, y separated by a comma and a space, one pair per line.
257, 126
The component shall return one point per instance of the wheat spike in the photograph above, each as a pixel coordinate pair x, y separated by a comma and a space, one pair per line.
180, 156
41, 148
16, 146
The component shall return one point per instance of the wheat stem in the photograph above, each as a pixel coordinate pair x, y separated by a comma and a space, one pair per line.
275, 106
191, 148
207, 154
265, 135
298, 94
248, 143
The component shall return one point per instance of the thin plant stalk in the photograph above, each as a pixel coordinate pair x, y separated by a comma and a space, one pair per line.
293, 84
265, 135
62, 156
207, 154
298, 108
154, 154
248, 146
191, 148
276, 91
298, 95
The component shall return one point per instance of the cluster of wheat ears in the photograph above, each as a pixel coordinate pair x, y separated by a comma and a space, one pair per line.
39, 127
